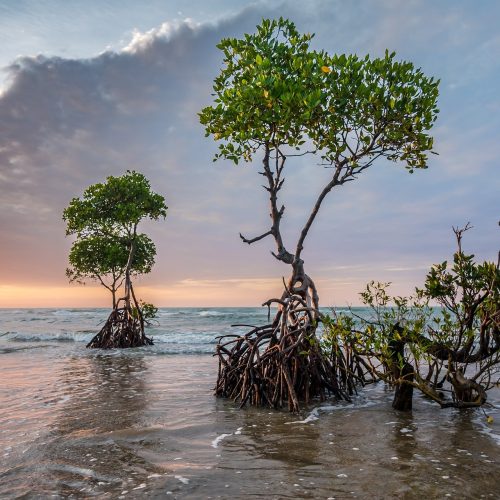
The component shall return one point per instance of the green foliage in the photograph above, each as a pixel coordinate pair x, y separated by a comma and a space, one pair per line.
466, 289
105, 222
95, 256
149, 312
116, 206
391, 319
460, 336
275, 90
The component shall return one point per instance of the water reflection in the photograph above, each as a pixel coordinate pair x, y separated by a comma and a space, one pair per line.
105, 393
95, 435
402, 439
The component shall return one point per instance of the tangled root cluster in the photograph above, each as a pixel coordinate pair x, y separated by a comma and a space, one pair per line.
122, 329
279, 363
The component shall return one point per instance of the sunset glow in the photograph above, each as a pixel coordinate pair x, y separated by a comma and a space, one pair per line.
124, 93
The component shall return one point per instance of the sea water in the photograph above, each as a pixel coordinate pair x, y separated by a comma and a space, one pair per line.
79, 423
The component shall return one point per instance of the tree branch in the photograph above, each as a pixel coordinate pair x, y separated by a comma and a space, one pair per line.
257, 238
334, 182
275, 182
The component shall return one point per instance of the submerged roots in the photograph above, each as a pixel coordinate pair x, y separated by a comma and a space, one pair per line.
280, 363
123, 328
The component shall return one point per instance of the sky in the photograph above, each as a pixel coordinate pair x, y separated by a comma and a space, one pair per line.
90, 89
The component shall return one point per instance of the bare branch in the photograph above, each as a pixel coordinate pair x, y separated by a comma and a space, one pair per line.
315, 210
459, 232
257, 238
283, 256
289, 155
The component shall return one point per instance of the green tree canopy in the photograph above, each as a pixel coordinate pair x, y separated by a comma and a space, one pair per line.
278, 97
115, 206
274, 90
105, 222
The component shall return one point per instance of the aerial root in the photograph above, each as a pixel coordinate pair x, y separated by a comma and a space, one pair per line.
281, 363
123, 328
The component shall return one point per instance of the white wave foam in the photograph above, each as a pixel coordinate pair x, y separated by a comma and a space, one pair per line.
218, 439
75, 312
485, 428
49, 337
210, 313
315, 413
82, 471
64, 312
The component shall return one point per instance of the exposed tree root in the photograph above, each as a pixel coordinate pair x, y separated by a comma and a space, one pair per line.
466, 392
280, 363
123, 328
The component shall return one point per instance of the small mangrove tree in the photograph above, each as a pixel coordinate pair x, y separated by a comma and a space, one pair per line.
109, 249
449, 351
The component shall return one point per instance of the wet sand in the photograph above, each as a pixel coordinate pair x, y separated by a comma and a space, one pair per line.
76, 423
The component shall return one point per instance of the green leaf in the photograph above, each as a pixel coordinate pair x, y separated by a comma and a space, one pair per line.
105, 221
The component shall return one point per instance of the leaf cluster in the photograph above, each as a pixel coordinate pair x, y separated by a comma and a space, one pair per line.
465, 288
95, 256
148, 311
274, 90
115, 206
104, 221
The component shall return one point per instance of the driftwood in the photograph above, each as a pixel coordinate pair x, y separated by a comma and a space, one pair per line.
281, 363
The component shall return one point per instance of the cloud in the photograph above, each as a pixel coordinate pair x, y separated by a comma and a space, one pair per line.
65, 124
68, 123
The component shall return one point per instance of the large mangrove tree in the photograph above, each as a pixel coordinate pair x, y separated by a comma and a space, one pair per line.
277, 98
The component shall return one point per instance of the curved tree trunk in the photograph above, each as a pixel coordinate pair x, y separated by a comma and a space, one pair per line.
467, 393
282, 362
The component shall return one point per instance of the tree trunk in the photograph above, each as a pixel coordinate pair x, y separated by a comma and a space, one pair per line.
283, 362
128, 282
401, 375
125, 325
467, 393
403, 395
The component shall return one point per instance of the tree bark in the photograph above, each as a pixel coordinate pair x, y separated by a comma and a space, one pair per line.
127, 272
403, 394
403, 373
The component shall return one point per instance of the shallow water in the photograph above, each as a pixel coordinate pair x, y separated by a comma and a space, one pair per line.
140, 422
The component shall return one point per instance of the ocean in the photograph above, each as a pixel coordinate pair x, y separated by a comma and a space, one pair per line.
80, 423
